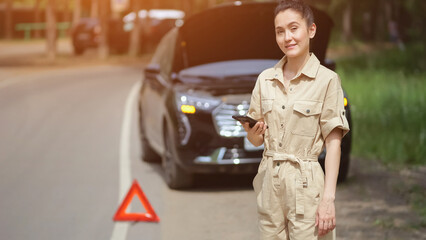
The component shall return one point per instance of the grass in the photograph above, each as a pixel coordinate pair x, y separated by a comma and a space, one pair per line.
418, 202
386, 91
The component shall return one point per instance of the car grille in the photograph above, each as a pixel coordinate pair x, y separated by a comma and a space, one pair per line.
225, 125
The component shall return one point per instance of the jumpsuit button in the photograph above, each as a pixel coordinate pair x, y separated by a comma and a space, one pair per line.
280, 144
291, 89
308, 111
282, 125
283, 107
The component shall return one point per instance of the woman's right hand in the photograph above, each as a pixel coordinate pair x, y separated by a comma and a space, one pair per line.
255, 134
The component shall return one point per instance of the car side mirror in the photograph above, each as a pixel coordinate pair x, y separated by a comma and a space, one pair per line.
152, 69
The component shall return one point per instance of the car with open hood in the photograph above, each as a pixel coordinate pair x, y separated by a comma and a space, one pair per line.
201, 74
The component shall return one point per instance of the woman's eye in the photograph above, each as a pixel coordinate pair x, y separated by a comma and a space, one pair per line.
294, 28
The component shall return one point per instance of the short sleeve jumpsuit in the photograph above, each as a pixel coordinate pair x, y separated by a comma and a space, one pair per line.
290, 181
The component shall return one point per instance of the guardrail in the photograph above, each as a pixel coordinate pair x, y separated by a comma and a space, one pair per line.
28, 27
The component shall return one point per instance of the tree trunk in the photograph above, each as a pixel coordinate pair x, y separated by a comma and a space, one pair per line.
94, 8
347, 22
135, 40
187, 7
8, 19
37, 18
51, 29
156, 4
211, 3
66, 15
103, 50
77, 12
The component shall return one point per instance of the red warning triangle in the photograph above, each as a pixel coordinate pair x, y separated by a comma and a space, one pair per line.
122, 215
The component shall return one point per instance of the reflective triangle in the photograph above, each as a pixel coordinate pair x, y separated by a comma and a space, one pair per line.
122, 215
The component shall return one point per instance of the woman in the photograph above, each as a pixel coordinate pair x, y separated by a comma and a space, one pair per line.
301, 102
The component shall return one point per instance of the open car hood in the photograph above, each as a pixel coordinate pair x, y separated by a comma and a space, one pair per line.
238, 31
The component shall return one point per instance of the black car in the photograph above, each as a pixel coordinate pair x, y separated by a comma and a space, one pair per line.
201, 74
86, 34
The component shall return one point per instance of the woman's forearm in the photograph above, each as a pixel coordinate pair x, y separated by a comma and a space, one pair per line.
255, 139
332, 162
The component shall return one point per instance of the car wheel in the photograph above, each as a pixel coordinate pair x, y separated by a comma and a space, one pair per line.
148, 154
176, 177
78, 50
344, 167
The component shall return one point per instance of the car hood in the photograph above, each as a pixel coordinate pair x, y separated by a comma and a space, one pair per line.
238, 31
226, 70
237, 76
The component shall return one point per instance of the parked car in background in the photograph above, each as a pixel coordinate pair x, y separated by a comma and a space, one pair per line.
201, 74
154, 24
86, 34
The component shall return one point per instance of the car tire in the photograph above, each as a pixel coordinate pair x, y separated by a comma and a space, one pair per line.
148, 154
344, 167
78, 50
175, 176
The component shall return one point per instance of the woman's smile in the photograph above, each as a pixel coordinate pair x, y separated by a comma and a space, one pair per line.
291, 46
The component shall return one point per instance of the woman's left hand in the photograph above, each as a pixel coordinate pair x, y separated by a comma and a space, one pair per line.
325, 217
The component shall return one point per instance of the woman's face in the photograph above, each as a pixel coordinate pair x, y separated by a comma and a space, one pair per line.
292, 33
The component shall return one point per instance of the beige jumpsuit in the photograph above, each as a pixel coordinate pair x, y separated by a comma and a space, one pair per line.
290, 182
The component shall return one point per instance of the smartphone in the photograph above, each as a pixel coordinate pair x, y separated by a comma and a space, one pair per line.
244, 118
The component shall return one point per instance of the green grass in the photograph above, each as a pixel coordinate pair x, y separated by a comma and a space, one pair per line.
386, 91
418, 202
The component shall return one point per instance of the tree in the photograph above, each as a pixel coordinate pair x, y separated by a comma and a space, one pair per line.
104, 9
66, 14
8, 19
94, 8
37, 17
135, 40
76, 13
51, 29
347, 22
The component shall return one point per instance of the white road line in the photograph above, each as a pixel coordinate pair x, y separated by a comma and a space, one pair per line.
120, 228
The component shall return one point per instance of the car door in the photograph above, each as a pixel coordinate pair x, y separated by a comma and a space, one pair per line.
156, 85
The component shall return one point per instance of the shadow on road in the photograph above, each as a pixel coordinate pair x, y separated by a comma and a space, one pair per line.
214, 182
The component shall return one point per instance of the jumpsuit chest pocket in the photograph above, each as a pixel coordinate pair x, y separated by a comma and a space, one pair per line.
306, 116
267, 106
268, 97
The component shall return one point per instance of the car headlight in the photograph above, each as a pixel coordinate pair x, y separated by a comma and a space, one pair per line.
189, 104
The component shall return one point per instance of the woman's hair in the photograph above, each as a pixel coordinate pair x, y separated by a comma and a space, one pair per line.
297, 5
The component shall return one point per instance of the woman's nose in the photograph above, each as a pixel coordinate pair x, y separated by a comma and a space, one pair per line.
287, 37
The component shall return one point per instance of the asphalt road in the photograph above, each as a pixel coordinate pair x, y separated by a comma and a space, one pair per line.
69, 149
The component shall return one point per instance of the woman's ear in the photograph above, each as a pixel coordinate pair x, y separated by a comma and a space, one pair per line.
312, 30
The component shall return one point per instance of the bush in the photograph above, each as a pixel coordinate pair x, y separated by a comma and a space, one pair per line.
386, 91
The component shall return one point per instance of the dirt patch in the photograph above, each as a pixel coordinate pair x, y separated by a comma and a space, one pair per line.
377, 202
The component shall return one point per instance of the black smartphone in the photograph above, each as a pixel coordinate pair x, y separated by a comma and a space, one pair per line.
243, 118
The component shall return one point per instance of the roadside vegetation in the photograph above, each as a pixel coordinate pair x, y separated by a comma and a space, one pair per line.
386, 91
